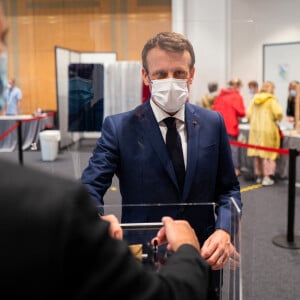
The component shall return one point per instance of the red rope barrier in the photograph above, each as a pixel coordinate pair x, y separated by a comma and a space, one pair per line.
38, 117
245, 145
33, 119
235, 143
7, 132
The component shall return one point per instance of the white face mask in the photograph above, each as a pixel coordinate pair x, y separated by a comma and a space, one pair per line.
169, 94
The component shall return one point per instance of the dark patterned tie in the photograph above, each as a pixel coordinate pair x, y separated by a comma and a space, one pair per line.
174, 147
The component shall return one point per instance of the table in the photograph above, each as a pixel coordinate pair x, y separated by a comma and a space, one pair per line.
21, 131
291, 140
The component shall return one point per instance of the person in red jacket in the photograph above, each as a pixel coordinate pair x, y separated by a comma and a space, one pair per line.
230, 104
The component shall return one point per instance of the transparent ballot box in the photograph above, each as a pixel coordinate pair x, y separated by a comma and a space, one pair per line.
140, 223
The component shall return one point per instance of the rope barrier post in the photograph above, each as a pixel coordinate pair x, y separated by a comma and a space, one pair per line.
291, 195
290, 241
20, 142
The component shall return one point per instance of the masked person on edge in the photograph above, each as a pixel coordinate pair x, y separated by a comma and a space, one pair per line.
53, 245
135, 146
3, 63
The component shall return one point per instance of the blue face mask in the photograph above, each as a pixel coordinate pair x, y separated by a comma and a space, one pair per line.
3, 79
251, 92
293, 93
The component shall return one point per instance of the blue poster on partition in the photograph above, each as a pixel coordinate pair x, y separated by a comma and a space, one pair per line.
86, 97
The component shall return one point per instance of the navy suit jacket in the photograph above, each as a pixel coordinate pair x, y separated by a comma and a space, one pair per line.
132, 147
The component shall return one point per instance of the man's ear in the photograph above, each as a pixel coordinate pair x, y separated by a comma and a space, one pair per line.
191, 77
145, 77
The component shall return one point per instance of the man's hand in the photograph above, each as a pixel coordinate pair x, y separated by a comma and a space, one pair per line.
216, 249
176, 233
115, 229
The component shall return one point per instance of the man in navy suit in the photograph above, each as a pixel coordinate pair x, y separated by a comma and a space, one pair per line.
132, 146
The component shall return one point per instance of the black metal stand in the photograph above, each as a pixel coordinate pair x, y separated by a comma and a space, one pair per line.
20, 142
290, 241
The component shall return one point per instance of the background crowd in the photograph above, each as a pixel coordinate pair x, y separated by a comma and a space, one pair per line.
263, 114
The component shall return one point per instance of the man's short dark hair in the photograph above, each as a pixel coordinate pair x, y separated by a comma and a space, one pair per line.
168, 41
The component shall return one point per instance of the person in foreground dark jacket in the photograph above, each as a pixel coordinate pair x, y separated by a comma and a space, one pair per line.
54, 245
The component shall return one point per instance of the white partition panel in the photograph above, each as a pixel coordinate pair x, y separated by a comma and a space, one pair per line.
97, 57
91, 57
123, 86
281, 65
63, 58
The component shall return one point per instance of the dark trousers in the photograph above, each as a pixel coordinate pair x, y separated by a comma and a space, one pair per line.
215, 285
214, 294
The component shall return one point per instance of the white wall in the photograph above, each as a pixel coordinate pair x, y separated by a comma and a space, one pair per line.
228, 37
258, 22
205, 24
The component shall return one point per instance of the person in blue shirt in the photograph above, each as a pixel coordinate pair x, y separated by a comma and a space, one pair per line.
13, 97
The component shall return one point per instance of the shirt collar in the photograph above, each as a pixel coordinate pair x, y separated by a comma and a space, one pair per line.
160, 115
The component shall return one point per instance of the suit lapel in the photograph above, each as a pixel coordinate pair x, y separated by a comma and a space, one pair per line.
193, 129
152, 133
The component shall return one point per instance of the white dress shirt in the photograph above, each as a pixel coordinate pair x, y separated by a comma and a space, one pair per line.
160, 115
